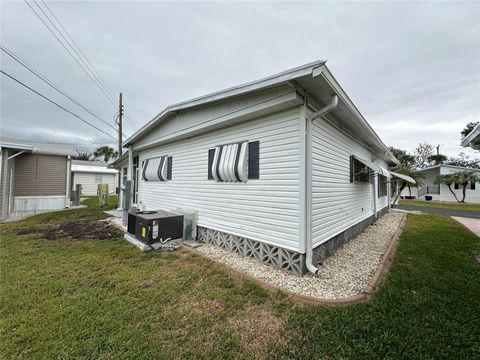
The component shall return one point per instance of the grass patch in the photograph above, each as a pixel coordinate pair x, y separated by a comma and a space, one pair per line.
95, 299
441, 205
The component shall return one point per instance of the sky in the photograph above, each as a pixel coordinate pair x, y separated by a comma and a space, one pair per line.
411, 68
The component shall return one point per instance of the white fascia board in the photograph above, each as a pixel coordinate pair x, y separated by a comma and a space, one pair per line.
263, 83
333, 83
472, 138
288, 100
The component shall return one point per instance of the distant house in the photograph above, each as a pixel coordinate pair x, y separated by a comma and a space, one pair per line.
91, 173
33, 176
441, 192
473, 139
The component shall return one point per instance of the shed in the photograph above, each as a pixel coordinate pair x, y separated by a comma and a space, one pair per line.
89, 174
284, 169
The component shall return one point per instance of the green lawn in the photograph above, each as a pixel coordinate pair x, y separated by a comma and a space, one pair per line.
105, 300
442, 205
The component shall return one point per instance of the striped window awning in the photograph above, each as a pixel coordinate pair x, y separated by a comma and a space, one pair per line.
230, 162
157, 169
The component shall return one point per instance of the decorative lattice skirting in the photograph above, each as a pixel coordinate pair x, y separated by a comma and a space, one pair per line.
275, 256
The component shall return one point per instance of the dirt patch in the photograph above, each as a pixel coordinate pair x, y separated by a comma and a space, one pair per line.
84, 230
75, 230
30, 230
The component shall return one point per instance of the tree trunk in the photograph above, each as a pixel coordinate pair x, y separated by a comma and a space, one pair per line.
399, 192
464, 192
454, 195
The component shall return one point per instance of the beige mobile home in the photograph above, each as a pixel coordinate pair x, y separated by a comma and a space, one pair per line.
34, 176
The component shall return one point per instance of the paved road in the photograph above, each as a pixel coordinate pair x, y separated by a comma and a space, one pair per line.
449, 212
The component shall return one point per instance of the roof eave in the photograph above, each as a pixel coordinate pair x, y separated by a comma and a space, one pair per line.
263, 83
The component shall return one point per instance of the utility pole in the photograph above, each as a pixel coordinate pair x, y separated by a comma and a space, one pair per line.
120, 117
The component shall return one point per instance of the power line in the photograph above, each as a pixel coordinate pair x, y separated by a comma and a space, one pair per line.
97, 82
80, 50
53, 102
69, 52
43, 78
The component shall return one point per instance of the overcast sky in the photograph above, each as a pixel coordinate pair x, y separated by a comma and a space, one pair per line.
412, 68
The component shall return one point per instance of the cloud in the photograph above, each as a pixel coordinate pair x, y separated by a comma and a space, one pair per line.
412, 68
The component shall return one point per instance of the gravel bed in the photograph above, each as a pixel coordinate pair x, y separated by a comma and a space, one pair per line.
344, 274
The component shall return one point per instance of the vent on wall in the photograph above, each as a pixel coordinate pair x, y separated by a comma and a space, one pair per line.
234, 162
157, 169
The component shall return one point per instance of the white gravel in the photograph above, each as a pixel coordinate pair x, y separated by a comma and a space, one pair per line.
344, 274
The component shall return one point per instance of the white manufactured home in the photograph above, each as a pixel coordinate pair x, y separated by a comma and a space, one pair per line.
284, 169
441, 192
90, 174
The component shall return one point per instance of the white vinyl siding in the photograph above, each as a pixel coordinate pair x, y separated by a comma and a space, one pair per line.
264, 209
90, 182
338, 204
36, 203
189, 118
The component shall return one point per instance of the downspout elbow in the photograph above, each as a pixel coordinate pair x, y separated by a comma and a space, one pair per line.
326, 109
308, 238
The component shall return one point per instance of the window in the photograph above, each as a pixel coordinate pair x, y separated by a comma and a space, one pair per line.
359, 172
382, 186
98, 178
236, 162
457, 186
157, 169
472, 186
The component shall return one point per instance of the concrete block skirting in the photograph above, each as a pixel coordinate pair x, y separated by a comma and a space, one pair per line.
279, 258
323, 251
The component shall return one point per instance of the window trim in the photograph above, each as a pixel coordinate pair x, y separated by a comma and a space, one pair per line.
382, 187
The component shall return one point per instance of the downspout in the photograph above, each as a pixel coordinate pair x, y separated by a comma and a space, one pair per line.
374, 197
69, 174
308, 178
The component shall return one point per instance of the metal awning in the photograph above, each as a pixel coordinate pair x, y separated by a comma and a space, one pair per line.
403, 177
375, 167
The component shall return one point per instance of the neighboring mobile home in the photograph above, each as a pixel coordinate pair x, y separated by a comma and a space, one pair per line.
441, 192
33, 176
284, 169
89, 174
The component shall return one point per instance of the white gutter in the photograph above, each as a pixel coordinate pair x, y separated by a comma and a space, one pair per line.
308, 152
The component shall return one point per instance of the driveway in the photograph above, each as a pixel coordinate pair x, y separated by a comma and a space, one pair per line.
448, 212
472, 224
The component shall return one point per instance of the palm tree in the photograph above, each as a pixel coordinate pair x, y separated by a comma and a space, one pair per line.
83, 156
418, 176
462, 177
106, 152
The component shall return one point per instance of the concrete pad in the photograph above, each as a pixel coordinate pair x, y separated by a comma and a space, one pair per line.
472, 224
